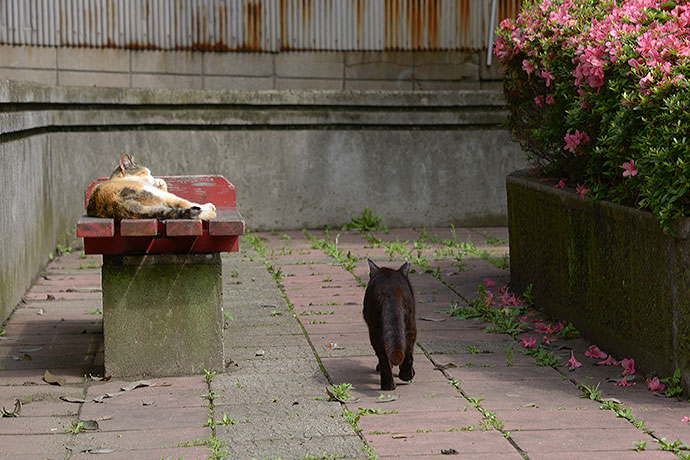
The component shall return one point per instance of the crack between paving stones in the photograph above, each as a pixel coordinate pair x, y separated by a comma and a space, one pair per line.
506, 434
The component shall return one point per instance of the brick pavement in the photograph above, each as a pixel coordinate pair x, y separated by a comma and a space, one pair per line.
474, 392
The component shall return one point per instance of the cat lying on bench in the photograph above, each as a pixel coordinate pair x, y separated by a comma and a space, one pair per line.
132, 192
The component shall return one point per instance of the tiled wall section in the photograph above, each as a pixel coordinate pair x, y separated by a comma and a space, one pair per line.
406, 70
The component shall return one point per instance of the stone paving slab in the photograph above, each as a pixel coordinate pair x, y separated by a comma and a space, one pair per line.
274, 385
475, 442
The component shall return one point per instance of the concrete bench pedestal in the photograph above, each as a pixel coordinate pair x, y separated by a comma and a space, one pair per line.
162, 314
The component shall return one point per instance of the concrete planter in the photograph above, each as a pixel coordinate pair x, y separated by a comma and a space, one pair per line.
608, 268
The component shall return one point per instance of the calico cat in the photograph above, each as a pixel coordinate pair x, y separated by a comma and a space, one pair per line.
389, 311
132, 192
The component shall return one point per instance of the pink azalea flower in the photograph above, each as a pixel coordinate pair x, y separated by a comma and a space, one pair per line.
646, 80
538, 101
624, 382
573, 363
549, 99
685, 419
609, 362
629, 167
545, 74
655, 385
528, 67
628, 366
594, 352
489, 282
560, 184
581, 190
546, 340
524, 319
572, 141
530, 342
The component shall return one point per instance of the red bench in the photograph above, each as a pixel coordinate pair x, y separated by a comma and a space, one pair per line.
152, 236
162, 283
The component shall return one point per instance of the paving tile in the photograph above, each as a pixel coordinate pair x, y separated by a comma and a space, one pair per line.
187, 453
28, 445
35, 425
141, 439
413, 422
168, 392
608, 455
487, 442
41, 400
581, 440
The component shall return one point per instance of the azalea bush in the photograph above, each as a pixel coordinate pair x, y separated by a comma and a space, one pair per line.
598, 95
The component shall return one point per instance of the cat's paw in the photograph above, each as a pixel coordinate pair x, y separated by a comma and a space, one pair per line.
160, 183
208, 211
387, 386
406, 374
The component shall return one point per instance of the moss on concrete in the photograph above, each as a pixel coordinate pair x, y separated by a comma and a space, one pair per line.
162, 314
607, 268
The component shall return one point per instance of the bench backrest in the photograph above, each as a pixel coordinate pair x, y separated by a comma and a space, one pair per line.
199, 189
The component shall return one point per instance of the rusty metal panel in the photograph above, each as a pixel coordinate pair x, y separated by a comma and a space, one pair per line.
252, 25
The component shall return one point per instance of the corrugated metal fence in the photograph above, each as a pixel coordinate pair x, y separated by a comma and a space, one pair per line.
252, 25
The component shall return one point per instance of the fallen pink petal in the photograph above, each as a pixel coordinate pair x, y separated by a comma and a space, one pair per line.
655, 385
528, 342
573, 363
685, 419
489, 282
628, 366
608, 362
624, 383
594, 352
560, 184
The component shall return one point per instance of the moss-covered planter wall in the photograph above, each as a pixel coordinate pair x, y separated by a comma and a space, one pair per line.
609, 269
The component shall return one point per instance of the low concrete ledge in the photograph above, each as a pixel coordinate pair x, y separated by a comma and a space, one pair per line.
609, 269
29, 106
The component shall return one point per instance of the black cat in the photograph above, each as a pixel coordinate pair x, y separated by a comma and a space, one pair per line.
389, 311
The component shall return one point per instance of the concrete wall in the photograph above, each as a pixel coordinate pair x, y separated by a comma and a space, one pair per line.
317, 70
298, 158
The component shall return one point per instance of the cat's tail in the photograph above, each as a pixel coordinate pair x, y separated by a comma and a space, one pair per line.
393, 334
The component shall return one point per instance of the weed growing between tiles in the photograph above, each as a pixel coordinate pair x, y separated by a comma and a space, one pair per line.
504, 319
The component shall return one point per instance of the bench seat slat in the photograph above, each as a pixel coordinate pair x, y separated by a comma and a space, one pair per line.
95, 227
183, 227
139, 227
227, 222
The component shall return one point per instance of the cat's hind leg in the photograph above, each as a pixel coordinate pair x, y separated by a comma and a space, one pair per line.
406, 370
384, 367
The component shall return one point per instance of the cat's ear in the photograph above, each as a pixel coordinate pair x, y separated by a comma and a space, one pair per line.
373, 268
126, 162
405, 268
